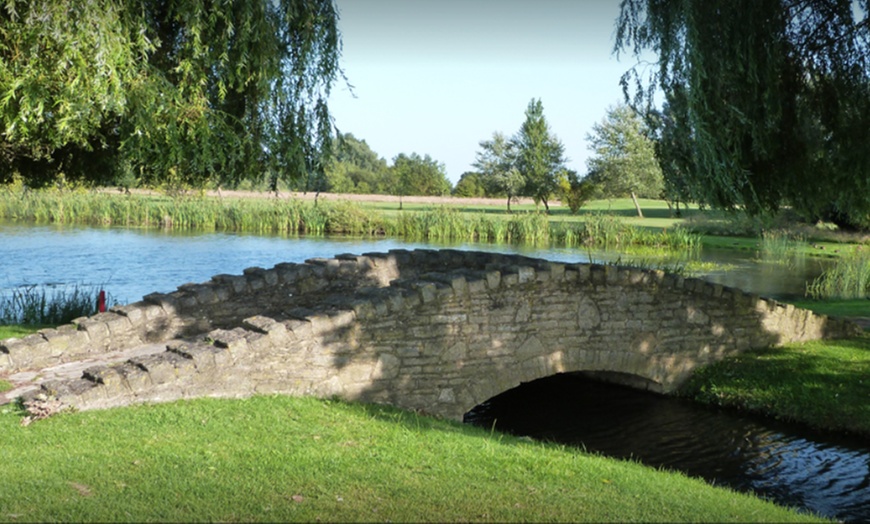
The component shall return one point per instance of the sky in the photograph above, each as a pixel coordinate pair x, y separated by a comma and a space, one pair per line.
437, 77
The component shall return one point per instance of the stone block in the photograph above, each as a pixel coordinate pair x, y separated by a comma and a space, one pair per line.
426, 290
167, 302
288, 272
160, 367
597, 274
525, 274
234, 339
137, 379
204, 294
363, 308
255, 278
300, 328
347, 267
237, 284
133, 312
613, 275
109, 376
118, 325
97, 332
223, 357
201, 355
264, 325
257, 342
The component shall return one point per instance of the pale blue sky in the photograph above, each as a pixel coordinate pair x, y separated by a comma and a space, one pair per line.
438, 76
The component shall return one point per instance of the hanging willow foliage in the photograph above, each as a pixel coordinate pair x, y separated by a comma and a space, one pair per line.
189, 91
767, 102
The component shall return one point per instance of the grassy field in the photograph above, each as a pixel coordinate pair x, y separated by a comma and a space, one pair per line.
301, 459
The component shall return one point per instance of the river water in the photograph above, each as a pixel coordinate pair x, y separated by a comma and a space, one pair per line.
821, 473
824, 473
131, 263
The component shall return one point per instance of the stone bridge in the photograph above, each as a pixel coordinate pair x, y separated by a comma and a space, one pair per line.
435, 331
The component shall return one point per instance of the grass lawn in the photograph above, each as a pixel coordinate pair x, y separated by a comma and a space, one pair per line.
825, 384
300, 459
857, 307
18, 331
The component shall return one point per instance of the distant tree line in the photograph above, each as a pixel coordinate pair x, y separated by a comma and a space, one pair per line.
355, 168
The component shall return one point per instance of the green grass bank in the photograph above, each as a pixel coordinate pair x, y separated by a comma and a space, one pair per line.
823, 384
301, 459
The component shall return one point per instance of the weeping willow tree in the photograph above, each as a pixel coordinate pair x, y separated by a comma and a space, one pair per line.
766, 102
178, 91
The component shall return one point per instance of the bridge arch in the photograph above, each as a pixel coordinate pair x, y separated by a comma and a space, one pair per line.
436, 331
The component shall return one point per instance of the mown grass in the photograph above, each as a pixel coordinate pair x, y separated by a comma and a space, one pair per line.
858, 307
19, 331
301, 459
824, 384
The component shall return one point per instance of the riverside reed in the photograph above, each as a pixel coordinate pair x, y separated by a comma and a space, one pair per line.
33, 305
849, 278
297, 217
301, 459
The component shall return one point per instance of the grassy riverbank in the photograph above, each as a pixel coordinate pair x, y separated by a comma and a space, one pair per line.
824, 384
292, 459
293, 216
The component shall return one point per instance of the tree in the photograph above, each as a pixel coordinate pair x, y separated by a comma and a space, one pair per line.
496, 162
539, 155
773, 98
355, 168
188, 92
416, 175
623, 160
470, 184
573, 191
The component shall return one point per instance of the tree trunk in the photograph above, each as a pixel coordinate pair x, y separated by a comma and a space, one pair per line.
509, 204
636, 205
546, 207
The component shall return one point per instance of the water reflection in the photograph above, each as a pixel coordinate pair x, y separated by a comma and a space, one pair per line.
823, 473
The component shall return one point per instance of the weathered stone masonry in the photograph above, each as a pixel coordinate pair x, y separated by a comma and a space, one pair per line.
438, 331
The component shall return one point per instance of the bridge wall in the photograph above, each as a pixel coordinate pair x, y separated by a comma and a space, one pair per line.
436, 331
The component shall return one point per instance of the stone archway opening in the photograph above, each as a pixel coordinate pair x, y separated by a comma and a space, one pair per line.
555, 403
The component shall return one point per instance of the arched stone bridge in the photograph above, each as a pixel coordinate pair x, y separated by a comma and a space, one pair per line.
437, 331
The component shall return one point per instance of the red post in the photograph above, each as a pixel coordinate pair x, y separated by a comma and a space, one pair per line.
101, 302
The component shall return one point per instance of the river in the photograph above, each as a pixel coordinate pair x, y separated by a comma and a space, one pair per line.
130, 263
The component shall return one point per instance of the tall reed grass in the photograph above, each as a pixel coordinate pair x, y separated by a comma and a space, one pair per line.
607, 231
848, 278
781, 246
196, 212
37, 305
